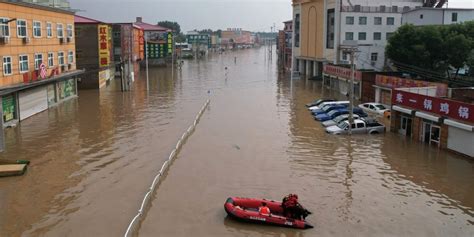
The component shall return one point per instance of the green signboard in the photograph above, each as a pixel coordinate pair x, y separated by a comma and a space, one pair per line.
9, 108
155, 51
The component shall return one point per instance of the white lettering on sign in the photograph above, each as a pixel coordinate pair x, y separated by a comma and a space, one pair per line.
444, 108
257, 218
288, 223
463, 112
428, 104
399, 97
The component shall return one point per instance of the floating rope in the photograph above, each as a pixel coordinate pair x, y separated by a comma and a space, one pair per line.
164, 168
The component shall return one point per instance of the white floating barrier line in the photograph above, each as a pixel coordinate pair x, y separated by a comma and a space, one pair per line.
164, 168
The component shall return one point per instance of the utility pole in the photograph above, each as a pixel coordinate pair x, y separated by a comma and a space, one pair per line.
146, 61
351, 48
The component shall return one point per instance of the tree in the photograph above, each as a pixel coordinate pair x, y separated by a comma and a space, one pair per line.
176, 28
435, 48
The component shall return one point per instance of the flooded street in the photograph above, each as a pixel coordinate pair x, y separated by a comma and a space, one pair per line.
94, 157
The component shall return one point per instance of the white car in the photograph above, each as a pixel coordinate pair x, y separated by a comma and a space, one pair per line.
376, 108
338, 119
328, 103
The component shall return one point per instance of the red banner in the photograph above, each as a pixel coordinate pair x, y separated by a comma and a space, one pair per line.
397, 82
341, 72
443, 107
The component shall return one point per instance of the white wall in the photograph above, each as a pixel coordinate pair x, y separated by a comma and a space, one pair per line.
433, 16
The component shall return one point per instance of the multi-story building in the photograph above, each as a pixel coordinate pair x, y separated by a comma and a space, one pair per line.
159, 43
200, 42
321, 28
37, 49
285, 45
437, 16
236, 37
63, 4
94, 52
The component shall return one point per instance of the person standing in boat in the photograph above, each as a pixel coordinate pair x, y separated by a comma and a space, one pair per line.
264, 210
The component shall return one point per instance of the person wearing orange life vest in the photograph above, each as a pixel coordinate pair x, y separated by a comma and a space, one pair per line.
264, 210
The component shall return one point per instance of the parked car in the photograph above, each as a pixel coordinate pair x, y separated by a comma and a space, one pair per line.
360, 126
318, 102
338, 119
328, 103
331, 115
377, 108
327, 109
360, 112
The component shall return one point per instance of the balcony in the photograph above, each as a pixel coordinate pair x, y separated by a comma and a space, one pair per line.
374, 9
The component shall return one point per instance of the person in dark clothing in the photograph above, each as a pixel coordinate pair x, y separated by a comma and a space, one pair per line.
292, 208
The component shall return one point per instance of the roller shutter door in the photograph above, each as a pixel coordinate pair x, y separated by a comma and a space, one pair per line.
461, 141
32, 102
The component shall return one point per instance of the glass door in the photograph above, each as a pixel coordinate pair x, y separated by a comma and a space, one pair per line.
435, 134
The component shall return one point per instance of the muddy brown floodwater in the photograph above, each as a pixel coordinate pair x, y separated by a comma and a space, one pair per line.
93, 158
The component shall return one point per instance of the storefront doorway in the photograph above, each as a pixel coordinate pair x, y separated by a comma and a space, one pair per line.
431, 133
406, 126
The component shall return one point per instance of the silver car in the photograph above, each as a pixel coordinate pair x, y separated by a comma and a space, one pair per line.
338, 119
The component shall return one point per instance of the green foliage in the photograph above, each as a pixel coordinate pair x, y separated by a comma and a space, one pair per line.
436, 48
179, 36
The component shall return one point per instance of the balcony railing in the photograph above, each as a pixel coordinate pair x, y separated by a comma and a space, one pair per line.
379, 9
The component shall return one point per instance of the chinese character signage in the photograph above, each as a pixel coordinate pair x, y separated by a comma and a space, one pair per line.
443, 107
104, 46
141, 43
170, 42
342, 72
397, 82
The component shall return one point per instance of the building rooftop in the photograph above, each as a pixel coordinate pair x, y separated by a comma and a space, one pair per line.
37, 6
86, 20
150, 27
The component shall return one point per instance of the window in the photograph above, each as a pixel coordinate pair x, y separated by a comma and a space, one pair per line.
389, 35
21, 28
69, 31
394, 8
377, 36
70, 57
38, 60
454, 16
49, 29
36, 29
390, 21
374, 57
50, 59
60, 30
23, 62
344, 56
7, 65
362, 36
4, 27
377, 20
421, 16
61, 58
349, 36
297, 30
362, 20
349, 20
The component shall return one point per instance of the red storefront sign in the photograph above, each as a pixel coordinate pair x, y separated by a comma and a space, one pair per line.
342, 72
141, 42
397, 82
443, 107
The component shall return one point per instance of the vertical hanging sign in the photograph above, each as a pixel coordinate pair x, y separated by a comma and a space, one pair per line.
170, 42
104, 52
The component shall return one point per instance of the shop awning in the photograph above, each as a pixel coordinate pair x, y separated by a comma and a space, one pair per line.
460, 125
19, 87
401, 109
428, 116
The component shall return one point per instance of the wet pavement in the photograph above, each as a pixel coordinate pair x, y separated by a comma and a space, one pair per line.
93, 158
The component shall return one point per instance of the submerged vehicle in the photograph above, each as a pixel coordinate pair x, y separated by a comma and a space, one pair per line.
246, 209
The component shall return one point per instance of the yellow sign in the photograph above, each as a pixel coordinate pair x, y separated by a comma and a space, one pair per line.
104, 46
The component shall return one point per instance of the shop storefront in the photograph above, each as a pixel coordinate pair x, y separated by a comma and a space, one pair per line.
9, 108
435, 121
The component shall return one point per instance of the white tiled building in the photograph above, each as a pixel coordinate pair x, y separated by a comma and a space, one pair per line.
437, 16
370, 23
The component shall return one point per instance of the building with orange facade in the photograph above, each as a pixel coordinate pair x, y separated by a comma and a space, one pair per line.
37, 51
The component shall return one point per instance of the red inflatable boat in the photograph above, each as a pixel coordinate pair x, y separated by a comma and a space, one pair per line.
246, 209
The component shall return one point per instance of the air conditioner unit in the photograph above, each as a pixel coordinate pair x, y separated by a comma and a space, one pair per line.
4, 39
344, 62
69, 39
61, 40
26, 40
